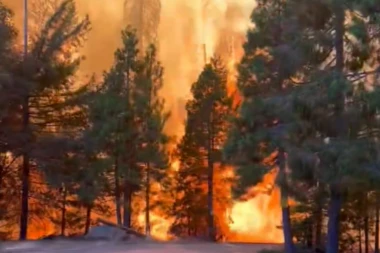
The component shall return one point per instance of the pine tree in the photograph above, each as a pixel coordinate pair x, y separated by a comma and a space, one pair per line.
8, 107
152, 117
275, 121
206, 128
190, 205
42, 81
94, 185
9, 124
336, 109
133, 135
119, 83
259, 138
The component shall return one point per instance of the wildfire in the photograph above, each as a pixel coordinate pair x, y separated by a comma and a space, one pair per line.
187, 37
159, 226
257, 218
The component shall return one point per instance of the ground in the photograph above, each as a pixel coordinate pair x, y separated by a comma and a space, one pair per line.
120, 247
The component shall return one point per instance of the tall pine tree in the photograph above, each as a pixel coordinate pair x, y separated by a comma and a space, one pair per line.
321, 109
152, 117
206, 128
132, 136
42, 81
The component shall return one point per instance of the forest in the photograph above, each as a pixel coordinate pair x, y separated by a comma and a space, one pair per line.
306, 109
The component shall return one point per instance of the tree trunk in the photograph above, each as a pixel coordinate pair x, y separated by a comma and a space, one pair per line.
333, 222
366, 232
339, 37
130, 153
25, 176
318, 217
318, 227
336, 198
63, 211
309, 235
2, 172
147, 201
188, 224
210, 179
286, 223
88, 220
360, 238
377, 214
117, 191
127, 204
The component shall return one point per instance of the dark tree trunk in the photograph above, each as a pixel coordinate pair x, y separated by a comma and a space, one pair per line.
88, 219
127, 204
336, 198
286, 223
147, 201
2, 175
130, 153
188, 224
366, 233
25, 166
287, 230
117, 191
210, 180
360, 238
318, 217
2, 172
377, 214
339, 37
25, 176
309, 236
318, 227
333, 223
63, 211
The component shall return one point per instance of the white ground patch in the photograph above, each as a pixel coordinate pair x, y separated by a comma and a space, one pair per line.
19, 246
124, 247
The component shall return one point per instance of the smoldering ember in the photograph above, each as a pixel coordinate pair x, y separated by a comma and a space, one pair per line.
189, 126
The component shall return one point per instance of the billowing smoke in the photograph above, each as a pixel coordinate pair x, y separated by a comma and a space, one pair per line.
188, 31
191, 31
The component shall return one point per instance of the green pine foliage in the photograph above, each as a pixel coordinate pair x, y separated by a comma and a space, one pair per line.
127, 120
200, 152
308, 102
310, 111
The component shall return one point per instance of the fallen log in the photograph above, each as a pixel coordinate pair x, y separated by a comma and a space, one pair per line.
126, 229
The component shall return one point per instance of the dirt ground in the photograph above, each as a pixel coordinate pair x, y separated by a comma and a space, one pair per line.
122, 247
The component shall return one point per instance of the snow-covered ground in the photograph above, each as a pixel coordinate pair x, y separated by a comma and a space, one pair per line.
120, 247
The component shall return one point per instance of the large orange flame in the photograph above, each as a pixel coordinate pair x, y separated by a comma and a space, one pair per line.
257, 219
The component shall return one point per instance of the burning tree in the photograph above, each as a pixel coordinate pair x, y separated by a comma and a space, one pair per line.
200, 148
